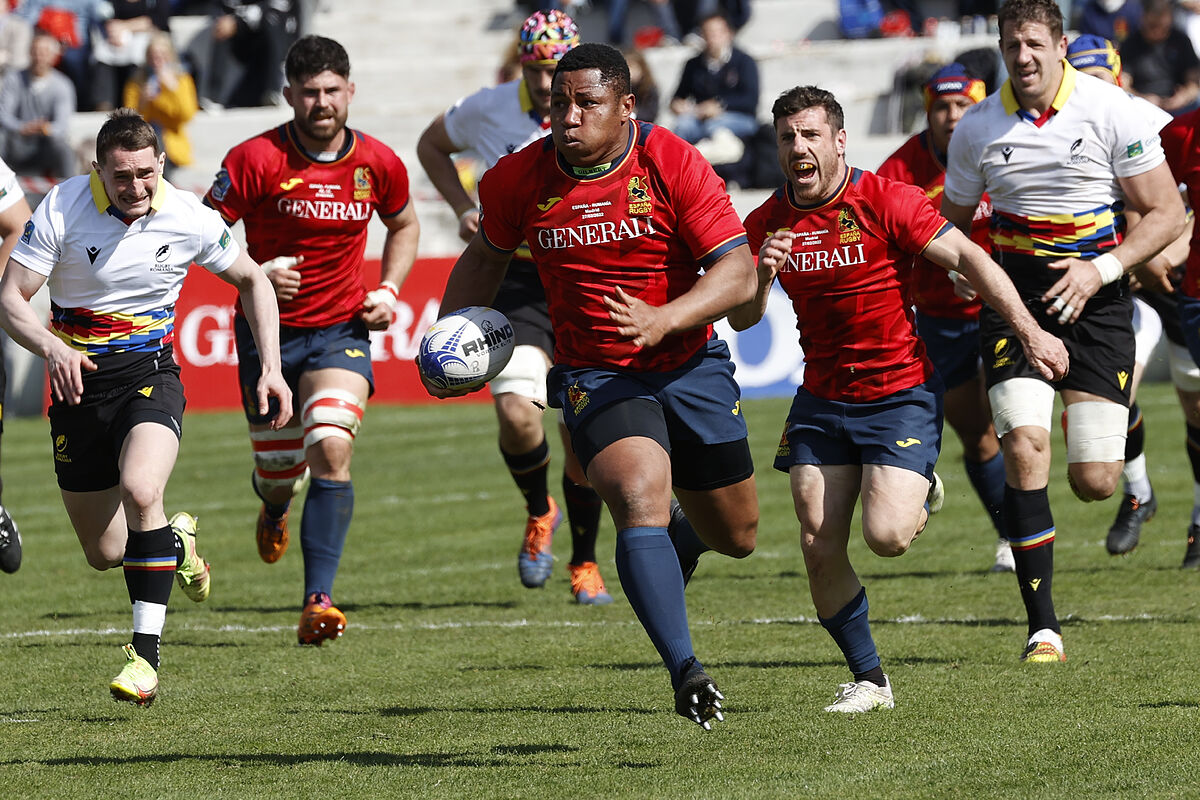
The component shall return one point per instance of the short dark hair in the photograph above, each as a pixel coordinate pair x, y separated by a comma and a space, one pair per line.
614, 71
798, 98
1020, 12
125, 130
311, 55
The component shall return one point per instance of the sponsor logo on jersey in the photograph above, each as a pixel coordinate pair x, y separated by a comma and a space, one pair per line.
92, 252
639, 197
354, 352
221, 185
549, 204
594, 233
1077, 156
1007, 152
1133, 150
145, 391
291, 183
160, 255
908, 442
737, 408
362, 183
578, 399
324, 209
27, 234
3, 193
1122, 379
224, 240
848, 230
815, 260
1001, 352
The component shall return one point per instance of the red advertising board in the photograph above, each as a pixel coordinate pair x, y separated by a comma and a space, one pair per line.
204, 345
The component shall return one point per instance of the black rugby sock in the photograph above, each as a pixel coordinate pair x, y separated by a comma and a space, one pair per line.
529, 472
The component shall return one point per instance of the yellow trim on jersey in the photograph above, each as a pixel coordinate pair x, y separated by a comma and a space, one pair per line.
1011, 106
100, 196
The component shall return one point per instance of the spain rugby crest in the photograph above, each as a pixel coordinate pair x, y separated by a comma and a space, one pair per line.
362, 183
578, 399
848, 230
639, 197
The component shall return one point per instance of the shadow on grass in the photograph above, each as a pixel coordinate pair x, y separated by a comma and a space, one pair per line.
1172, 704
501, 757
357, 607
416, 711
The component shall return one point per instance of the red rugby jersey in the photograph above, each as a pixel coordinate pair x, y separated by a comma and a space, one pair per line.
849, 277
295, 206
917, 163
647, 223
1182, 147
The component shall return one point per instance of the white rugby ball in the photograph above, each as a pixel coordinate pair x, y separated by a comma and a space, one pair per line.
466, 348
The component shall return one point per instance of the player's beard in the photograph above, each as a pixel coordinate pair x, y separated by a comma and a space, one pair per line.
324, 130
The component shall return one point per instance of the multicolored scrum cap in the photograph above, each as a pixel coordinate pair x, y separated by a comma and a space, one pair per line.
953, 79
1094, 51
546, 36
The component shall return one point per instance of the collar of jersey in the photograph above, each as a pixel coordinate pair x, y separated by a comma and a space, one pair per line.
617, 162
938, 158
289, 133
100, 197
1011, 106
851, 174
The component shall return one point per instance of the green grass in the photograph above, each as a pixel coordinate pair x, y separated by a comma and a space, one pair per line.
454, 681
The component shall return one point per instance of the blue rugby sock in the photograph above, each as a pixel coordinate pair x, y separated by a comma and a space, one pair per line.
650, 577
852, 632
327, 512
988, 479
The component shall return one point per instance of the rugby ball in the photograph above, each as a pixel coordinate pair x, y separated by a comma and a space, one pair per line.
466, 348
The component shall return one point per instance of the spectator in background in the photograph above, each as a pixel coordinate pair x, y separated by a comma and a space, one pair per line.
645, 90
1109, 19
119, 46
241, 64
36, 105
664, 18
71, 23
718, 89
15, 37
692, 13
1160, 62
165, 95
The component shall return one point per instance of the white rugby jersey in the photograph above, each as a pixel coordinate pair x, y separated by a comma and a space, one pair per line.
10, 189
495, 121
1053, 182
113, 285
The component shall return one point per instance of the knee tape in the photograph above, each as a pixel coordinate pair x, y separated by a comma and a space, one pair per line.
331, 412
525, 374
1147, 330
1185, 374
1096, 432
279, 460
1018, 402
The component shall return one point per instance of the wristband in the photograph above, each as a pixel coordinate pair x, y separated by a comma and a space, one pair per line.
386, 295
471, 210
280, 262
1109, 267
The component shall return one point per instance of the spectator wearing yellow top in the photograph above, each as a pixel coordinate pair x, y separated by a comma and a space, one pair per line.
165, 95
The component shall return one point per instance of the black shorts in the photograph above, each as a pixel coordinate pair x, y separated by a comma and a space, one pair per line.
1100, 343
127, 389
522, 299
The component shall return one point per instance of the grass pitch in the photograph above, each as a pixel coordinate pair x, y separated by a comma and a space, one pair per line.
455, 681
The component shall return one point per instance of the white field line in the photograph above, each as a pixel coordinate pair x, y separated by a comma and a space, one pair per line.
915, 619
